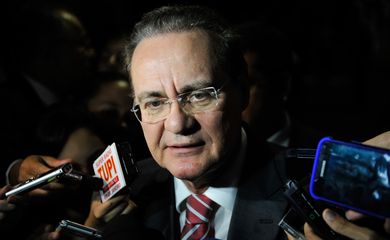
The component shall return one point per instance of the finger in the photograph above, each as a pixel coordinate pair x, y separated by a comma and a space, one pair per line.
387, 225
5, 189
55, 162
39, 192
10, 199
46, 189
309, 233
114, 212
107, 206
289, 237
15, 199
53, 186
352, 215
54, 235
35, 165
114, 201
95, 196
5, 206
50, 233
346, 228
31, 167
382, 140
113, 208
49, 228
130, 206
95, 201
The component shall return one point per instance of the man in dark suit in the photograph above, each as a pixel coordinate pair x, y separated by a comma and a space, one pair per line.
188, 81
258, 205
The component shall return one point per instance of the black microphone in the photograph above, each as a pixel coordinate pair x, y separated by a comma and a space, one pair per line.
91, 182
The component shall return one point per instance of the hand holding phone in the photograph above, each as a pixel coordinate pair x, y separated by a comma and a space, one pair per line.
353, 176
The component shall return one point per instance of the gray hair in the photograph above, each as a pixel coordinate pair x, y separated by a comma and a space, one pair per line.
174, 19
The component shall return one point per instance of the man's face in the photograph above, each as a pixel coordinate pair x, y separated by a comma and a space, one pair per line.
187, 145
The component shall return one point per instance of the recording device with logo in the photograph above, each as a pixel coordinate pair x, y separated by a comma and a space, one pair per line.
40, 180
117, 168
77, 229
307, 208
353, 176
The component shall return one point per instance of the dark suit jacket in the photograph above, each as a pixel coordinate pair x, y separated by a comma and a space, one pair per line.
259, 205
21, 109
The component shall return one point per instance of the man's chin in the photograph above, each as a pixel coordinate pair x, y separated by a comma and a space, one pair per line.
196, 174
184, 169
187, 176
197, 179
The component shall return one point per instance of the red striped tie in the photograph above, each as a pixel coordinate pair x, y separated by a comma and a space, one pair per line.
199, 215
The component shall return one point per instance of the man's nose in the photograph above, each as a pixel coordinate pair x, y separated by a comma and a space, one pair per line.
177, 120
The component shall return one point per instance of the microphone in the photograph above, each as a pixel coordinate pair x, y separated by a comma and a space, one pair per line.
91, 182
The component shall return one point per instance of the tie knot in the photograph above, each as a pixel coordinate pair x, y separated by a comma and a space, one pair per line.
200, 209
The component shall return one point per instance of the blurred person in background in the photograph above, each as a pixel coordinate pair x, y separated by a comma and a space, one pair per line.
49, 61
271, 63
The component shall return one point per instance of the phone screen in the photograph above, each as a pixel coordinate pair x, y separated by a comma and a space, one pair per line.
352, 175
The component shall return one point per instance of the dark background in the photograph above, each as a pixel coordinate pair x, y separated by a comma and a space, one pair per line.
341, 84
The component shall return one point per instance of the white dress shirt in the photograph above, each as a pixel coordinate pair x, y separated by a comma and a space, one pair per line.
224, 196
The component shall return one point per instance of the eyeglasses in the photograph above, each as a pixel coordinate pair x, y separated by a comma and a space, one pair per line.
155, 109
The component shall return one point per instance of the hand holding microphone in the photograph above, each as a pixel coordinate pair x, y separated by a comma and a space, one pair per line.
64, 173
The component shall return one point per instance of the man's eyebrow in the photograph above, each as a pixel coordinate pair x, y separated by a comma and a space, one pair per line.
187, 88
147, 94
196, 85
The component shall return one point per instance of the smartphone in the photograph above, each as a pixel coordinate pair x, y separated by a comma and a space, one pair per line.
39, 180
353, 176
308, 210
292, 223
77, 229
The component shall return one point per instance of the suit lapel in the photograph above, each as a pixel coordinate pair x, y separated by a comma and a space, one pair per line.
256, 219
162, 214
260, 203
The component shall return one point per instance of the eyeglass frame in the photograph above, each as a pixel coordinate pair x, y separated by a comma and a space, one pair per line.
178, 99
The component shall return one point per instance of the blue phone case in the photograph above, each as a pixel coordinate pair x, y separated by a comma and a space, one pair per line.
353, 176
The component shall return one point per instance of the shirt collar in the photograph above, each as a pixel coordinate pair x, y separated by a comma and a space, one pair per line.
224, 196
